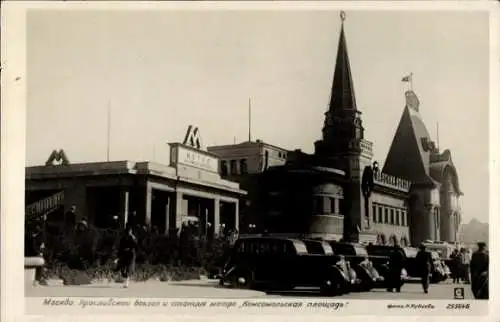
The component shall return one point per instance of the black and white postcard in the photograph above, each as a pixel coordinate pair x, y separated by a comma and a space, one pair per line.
243, 158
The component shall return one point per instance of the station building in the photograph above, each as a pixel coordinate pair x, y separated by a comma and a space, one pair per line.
159, 195
340, 192
244, 163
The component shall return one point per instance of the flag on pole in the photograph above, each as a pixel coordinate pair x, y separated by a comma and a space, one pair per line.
406, 78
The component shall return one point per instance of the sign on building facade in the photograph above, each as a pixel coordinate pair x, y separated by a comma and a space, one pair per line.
191, 152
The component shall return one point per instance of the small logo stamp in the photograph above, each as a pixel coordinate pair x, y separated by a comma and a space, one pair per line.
458, 293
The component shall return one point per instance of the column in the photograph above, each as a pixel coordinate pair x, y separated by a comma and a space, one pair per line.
167, 216
237, 215
452, 227
124, 207
429, 223
438, 223
369, 213
178, 210
216, 217
336, 202
149, 200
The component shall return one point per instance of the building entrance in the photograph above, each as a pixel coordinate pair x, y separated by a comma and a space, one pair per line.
162, 211
228, 219
201, 215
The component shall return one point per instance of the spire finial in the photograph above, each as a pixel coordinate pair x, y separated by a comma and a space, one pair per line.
342, 16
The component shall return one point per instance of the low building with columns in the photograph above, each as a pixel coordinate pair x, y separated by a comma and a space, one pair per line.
156, 195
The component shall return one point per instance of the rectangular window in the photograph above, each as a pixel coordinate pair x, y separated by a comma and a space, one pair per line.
341, 206
398, 217
403, 218
243, 166
392, 217
386, 216
374, 213
234, 170
223, 168
379, 220
318, 205
333, 206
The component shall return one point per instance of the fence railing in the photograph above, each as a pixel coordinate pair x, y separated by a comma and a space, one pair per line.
45, 205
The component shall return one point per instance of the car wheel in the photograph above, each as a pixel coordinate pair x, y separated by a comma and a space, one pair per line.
245, 280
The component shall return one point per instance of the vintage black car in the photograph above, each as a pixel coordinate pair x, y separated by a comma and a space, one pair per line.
273, 263
369, 269
383, 253
439, 270
320, 247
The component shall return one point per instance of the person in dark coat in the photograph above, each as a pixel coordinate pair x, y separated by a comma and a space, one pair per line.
70, 218
127, 254
455, 266
479, 267
424, 267
396, 265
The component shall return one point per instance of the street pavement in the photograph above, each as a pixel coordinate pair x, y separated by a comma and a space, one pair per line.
410, 291
210, 289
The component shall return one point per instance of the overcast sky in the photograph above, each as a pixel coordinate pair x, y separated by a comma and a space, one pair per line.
162, 71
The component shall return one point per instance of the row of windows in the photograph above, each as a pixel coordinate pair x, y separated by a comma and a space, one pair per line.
387, 215
264, 247
235, 167
327, 205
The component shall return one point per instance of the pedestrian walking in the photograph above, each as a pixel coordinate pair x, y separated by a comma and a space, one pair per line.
396, 265
424, 267
126, 255
465, 265
455, 266
479, 268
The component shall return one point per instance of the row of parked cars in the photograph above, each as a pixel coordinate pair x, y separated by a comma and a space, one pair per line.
274, 263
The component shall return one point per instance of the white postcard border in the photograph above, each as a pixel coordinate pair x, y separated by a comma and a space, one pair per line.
13, 129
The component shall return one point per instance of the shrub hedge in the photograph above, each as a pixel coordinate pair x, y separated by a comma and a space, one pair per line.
82, 257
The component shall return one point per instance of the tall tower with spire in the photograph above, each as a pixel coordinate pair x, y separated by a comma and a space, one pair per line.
343, 145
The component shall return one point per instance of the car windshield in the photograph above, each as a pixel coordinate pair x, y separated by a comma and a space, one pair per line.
314, 247
300, 247
360, 251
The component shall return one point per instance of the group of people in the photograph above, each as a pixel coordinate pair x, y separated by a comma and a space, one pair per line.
471, 269
460, 265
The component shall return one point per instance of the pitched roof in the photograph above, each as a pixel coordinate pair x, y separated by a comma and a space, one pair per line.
342, 95
442, 165
409, 155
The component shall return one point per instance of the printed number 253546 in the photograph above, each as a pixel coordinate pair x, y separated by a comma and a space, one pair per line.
458, 306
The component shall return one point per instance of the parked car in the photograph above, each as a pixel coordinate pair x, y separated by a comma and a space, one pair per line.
281, 264
366, 267
382, 253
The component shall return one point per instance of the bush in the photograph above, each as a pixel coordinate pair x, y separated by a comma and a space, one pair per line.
79, 258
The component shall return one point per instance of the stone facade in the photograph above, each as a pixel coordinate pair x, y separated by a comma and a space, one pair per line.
413, 198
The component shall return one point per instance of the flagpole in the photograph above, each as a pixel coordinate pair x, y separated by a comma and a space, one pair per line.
249, 120
437, 133
108, 131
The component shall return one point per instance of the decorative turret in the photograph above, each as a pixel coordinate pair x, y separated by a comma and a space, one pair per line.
343, 130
